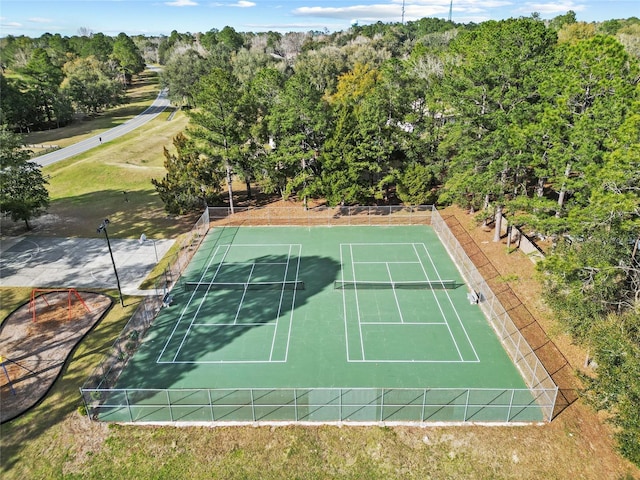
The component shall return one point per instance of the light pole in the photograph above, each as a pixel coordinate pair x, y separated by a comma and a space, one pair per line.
103, 228
144, 238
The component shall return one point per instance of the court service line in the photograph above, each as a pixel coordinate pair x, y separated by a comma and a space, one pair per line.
204, 297
395, 263
413, 361
405, 323
395, 295
255, 324
184, 309
452, 305
438, 302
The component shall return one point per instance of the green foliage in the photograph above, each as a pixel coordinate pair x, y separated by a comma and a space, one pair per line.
416, 185
129, 59
615, 344
23, 192
192, 180
88, 84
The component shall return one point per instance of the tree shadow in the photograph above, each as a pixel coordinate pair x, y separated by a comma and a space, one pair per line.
228, 323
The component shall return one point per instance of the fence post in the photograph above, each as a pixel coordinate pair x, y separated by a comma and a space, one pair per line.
169, 403
126, 398
253, 406
510, 405
213, 417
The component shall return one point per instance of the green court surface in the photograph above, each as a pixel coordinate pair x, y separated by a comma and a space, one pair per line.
320, 324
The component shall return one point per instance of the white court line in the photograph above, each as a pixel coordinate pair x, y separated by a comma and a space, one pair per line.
406, 323
257, 324
198, 362
293, 303
452, 305
275, 332
244, 293
204, 297
395, 263
187, 306
395, 295
344, 306
355, 291
413, 361
438, 302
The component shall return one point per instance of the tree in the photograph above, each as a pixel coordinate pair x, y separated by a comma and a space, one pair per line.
180, 75
191, 182
89, 85
128, 56
492, 85
42, 79
220, 126
23, 192
297, 125
586, 94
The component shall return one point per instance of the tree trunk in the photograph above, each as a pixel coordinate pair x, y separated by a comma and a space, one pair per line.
247, 182
230, 188
563, 191
498, 222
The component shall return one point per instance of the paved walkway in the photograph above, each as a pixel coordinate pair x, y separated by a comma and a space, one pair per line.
159, 105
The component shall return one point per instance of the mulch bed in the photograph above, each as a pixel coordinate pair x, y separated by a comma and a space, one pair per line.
35, 352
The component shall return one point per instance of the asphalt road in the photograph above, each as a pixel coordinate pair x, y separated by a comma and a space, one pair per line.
159, 104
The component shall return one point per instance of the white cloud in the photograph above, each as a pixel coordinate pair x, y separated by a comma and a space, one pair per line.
547, 8
392, 11
11, 24
40, 20
182, 3
242, 4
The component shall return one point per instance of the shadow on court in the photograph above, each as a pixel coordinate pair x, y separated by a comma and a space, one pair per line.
244, 317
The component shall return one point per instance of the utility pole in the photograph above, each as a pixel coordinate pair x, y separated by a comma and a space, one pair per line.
402, 12
450, 9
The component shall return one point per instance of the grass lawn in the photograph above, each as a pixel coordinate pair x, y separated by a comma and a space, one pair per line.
55, 441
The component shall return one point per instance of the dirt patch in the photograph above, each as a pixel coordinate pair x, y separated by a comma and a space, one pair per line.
35, 347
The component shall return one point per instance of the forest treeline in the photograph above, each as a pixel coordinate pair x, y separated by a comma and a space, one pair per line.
538, 120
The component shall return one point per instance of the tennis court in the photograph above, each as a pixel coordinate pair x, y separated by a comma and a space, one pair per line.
312, 324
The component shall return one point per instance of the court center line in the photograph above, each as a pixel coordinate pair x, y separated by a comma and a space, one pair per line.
244, 293
438, 302
453, 306
355, 291
293, 303
395, 294
344, 305
275, 332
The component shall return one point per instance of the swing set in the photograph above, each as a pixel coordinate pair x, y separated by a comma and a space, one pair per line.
40, 293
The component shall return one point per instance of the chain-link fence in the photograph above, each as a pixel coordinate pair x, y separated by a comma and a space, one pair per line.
536, 403
533, 371
323, 215
127, 343
320, 405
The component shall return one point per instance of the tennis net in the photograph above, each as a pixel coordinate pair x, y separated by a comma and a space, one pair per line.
206, 286
409, 285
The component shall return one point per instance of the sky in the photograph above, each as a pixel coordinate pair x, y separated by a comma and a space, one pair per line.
157, 17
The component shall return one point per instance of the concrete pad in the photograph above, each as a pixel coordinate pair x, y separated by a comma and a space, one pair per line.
47, 262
